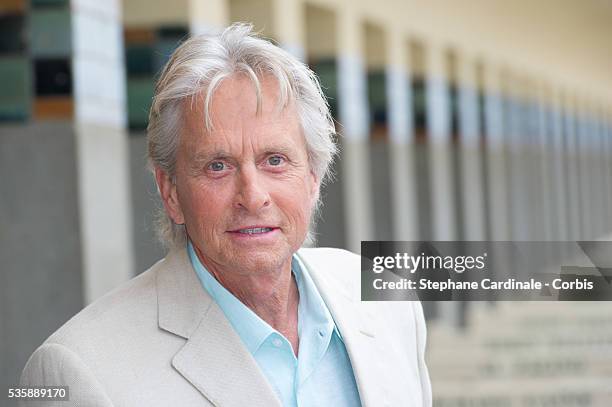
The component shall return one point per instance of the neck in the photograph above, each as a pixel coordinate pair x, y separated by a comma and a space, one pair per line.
272, 295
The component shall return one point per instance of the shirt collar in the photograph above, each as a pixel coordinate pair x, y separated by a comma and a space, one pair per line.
312, 309
313, 314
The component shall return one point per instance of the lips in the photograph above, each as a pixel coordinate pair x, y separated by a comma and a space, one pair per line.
253, 230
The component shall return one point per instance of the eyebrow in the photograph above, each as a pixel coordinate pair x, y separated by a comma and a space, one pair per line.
281, 149
203, 156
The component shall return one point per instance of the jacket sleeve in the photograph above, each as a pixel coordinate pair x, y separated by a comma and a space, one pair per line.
421, 337
54, 364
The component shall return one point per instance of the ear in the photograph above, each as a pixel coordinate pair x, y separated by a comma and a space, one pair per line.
169, 196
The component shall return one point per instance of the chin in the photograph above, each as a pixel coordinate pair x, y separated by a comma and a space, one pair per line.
262, 261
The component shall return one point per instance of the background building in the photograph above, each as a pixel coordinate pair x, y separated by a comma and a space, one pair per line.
459, 120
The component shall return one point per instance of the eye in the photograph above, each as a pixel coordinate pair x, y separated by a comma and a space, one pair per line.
275, 160
216, 166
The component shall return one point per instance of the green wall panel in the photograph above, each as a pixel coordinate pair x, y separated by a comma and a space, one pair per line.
50, 33
16, 88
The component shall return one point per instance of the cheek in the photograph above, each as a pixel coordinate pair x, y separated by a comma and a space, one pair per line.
298, 208
204, 206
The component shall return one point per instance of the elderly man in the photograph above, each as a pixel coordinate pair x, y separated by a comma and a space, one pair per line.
240, 140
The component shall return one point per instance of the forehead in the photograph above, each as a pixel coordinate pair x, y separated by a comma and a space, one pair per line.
237, 117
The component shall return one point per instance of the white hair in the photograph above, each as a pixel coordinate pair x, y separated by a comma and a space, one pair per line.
198, 66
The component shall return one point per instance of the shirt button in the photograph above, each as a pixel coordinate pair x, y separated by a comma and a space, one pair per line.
277, 342
321, 333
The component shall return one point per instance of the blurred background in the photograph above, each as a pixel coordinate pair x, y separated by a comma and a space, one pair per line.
459, 120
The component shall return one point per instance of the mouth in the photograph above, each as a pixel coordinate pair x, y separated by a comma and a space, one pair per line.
254, 230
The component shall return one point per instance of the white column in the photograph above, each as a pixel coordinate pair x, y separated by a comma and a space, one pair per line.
601, 220
353, 111
534, 169
207, 16
100, 120
591, 175
517, 128
598, 187
440, 161
606, 172
471, 183
607, 135
496, 162
399, 106
438, 127
572, 169
583, 166
559, 170
545, 152
288, 25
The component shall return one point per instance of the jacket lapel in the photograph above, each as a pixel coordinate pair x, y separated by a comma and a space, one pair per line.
214, 359
355, 322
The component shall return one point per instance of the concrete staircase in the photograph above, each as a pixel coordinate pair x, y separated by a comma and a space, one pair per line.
524, 354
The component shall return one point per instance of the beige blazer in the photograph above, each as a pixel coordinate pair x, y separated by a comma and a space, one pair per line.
160, 340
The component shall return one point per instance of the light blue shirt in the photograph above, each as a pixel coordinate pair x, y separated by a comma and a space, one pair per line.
322, 374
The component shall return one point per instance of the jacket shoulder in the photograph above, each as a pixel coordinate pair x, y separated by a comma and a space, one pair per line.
328, 257
83, 387
333, 267
130, 308
115, 348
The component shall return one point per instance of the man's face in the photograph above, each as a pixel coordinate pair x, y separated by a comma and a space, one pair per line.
245, 191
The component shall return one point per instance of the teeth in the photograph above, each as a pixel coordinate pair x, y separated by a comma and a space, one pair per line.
253, 231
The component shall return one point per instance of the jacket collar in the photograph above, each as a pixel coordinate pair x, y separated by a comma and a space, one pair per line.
332, 271
214, 359
181, 300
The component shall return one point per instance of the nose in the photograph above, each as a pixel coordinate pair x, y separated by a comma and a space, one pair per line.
252, 194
